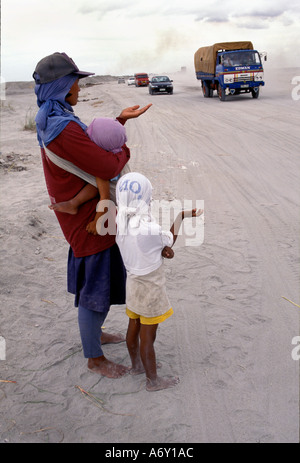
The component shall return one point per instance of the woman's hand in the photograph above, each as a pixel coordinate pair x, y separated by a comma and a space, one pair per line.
133, 111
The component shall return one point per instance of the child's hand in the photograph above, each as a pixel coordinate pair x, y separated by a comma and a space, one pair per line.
91, 228
192, 213
167, 252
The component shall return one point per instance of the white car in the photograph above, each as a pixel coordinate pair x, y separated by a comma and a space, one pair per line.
131, 81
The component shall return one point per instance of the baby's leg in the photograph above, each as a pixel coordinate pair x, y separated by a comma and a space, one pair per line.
87, 193
147, 339
103, 188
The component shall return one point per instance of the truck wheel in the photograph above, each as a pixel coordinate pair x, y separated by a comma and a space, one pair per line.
255, 94
221, 93
207, 91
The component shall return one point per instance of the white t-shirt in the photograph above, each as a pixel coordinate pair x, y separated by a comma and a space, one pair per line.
141, 248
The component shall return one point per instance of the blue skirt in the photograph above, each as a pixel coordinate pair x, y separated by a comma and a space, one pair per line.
97, 281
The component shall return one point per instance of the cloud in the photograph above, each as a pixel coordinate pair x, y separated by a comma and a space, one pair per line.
220, 18
257, 15
249, 24
103, 7
254, 15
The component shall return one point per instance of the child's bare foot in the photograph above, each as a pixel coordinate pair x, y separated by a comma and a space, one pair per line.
105, 367
65, 206
161, 383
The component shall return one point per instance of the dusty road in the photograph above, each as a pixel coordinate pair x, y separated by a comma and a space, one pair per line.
230, 340
242, 158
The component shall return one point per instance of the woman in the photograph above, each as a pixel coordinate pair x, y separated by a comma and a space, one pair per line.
96, 274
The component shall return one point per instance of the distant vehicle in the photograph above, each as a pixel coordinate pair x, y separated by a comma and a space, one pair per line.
160, 84
121, 80
131, 81
141, 79
230, 68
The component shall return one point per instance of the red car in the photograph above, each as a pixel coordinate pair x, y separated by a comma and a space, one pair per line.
141, 79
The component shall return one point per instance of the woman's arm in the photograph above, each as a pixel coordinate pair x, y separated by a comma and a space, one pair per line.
74, 145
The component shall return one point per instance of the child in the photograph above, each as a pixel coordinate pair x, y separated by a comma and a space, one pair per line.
141, 241
110, 135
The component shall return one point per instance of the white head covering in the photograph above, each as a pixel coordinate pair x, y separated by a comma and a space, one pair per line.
133, 196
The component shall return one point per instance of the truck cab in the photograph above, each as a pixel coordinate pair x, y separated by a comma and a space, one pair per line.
239, 71
230, 68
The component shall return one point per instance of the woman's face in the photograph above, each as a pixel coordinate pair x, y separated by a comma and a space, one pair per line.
72, 97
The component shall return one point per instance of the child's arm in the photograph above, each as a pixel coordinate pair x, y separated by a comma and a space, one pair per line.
103, 188
183, 215
168, 252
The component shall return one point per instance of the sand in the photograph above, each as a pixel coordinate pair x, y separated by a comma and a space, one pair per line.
232, 339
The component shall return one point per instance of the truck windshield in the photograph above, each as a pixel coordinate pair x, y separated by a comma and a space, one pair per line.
241, 58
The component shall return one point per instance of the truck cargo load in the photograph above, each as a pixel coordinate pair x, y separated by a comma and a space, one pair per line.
205, 58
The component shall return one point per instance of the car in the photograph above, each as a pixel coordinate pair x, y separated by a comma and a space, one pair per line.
121, 80
141, 79
131, 81
160, 84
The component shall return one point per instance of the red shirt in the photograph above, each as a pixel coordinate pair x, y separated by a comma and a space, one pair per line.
74, 145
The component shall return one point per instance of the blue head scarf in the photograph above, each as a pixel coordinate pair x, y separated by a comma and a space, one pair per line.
54, 113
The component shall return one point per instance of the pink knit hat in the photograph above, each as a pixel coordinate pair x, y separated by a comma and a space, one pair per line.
107, 133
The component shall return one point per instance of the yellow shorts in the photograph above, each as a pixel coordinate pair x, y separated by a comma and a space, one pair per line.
149, 320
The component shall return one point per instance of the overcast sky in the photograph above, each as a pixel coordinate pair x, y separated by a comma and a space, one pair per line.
127, 36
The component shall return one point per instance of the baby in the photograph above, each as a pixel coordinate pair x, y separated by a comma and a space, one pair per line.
110, 135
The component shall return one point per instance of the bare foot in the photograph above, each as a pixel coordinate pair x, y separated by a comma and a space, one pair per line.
161, 383
107, 338
105, 367
65, 206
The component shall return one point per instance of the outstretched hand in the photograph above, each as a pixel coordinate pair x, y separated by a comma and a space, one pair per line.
134, 111
192, 213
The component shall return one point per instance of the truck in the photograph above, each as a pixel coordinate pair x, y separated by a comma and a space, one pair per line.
230, 68
141, 79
